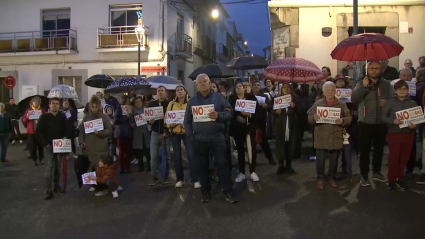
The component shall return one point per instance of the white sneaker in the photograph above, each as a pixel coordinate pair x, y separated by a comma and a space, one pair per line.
240, 178
75, 156
120, 188
92, 189
115, 194
101, 193
115, 158
13, 142
197, 185
313, 158
134, 160
20, 142
254, 177
179, 184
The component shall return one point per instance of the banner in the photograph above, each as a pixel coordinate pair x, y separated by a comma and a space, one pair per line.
246, 106
282, 102
201, 113
140, 119
175, 117
154, 113
328, 115
34, 114
344, 95
86, 180
413, 115
61, 146
412, 88
92, 125
261, 100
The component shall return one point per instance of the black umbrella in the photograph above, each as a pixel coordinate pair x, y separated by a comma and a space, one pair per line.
248, 62
213, 71
127, 84
99, 81
81, 165
24, 104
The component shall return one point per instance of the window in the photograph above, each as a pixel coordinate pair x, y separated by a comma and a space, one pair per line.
125, 15
74, 81
367, 30
4, 92
181, 76
56, 20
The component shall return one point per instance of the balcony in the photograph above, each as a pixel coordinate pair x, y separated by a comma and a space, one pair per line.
209, 48
54, 42
183, 47
223, 53
121, 39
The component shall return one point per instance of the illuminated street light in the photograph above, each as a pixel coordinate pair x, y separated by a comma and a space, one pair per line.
214, 13
140, 32
245, 43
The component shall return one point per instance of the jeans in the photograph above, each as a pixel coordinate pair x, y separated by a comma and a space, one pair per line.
109, 185
156, 146
52, 170
4, 142
176, 140
34, 147
321, 156
125, 146
202, 154
369, 133
399, 146
16, 133
240, 140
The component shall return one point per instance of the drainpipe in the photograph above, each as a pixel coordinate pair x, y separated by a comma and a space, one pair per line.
343, 3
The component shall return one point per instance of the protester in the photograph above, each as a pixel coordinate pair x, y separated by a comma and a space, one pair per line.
141, 135
400, 140
370, 95
287, 130
241, 125
158, 136
35, 145
247, 87
269, 91
51, 126
214, 86
409, 65
210, 136
106, 178
5, 129
389, 73
177, 136
405, 74
13, 111
327, 73
223, 87
71, 119
123, 133
421, 61
328, 137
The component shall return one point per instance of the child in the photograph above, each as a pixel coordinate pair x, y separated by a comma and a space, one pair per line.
106, 177
400, 140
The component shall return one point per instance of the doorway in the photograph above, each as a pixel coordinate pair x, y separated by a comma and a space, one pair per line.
4, 92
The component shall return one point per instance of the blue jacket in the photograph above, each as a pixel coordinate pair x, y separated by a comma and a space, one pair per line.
5, 124
211, 131
123, 128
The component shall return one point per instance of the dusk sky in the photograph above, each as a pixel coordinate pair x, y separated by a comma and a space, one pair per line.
252, 21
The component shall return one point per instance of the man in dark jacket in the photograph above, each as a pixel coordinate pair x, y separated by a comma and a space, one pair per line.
52, 126
5, 128
13, 111
158, 135
208, 133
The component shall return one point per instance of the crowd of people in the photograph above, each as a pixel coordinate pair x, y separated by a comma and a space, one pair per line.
368, 119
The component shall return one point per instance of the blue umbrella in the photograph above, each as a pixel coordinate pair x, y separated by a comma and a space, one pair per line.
126, 85
170, 83
165, 168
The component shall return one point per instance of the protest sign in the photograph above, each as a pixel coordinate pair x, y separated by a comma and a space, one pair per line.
124, 109
140, 119
200, 113
282, 102
413, 115
412, 88
87, 180
61, 146
344, 95
34, 114
328, 115
261, 100
246, 106
175, 117
92, 125
154, 113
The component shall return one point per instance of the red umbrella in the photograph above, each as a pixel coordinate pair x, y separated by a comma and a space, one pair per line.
366, 46
291, 69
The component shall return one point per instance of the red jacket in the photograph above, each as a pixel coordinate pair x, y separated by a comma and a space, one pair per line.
105, 172
30, 123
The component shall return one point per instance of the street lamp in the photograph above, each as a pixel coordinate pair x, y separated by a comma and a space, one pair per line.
214, 13
140, 32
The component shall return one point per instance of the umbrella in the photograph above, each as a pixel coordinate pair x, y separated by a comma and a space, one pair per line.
126, 85
213, 71
170, 83
24, 104
62, 92
248, 62
366, 46
81, 165
292, 69
165, 168
99, 81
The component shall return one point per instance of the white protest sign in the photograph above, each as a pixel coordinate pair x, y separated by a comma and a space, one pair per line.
282, 102
34, 114
344, 95
154, 113
261, 100
67, 114
328, 115
413, 115
175, 117
412, 88
61, 146
86, 180
140, 120
245, 106
102, 102
124, 110
92, 125
200, 113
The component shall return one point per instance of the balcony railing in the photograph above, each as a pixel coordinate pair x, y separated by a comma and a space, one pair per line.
120, 37
64, 39
183, 43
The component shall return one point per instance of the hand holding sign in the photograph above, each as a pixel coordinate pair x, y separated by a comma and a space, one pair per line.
213, 115
292, 105
398, 122
339, 121
316, 117
412, 125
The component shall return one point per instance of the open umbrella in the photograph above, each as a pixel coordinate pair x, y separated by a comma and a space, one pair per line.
99, 81
213, 71
170, 83
81, 165
248, 62
366, 46
24, 104
127, 84
62, 92
294, 70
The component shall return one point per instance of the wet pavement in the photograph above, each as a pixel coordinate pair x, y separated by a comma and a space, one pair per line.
288, 206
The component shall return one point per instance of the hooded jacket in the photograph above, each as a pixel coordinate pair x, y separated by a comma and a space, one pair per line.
173, 106
389, 113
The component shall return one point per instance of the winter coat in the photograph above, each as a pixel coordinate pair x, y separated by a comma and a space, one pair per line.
173, 106
141, 134
123, 129
31, 124
329, 136
12, 110
237, 127
106, 172
388, 114
159, 125
5, 124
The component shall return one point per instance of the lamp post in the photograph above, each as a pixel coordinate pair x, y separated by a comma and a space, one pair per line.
140, 31
215, 14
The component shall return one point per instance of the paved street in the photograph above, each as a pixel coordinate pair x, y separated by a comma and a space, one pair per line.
275, 207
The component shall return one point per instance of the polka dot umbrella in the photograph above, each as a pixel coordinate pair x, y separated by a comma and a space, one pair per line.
297, 70
127, 84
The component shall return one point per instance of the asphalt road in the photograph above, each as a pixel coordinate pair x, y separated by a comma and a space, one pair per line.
288, 206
